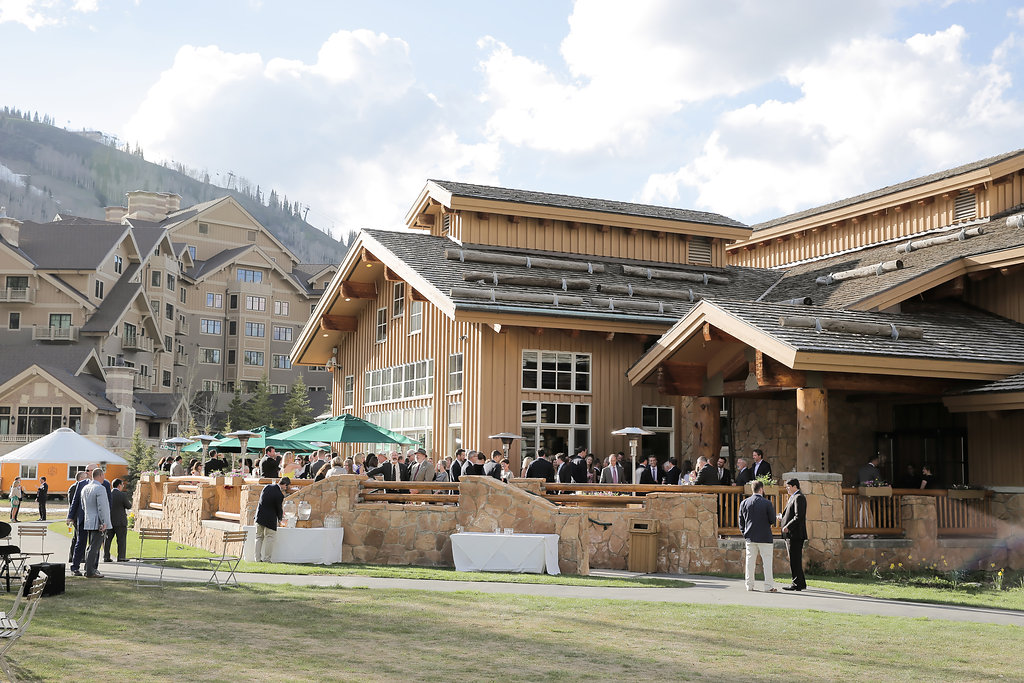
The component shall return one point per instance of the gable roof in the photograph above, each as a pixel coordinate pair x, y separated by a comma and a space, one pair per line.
63, 362
47, 244
117, 301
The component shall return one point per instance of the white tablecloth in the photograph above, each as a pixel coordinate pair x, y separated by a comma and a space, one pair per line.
477, 552
306, 546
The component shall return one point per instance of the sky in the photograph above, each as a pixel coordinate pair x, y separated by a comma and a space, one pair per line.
746, 108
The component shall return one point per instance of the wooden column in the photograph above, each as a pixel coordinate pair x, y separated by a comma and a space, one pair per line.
706, 427
811, 430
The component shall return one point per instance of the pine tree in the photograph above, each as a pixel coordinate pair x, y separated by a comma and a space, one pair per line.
141, 458
297, 410
261, 410
238, 413
192, 429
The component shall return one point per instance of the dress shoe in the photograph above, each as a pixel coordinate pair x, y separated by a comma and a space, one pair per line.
792, 588
97, 575
75, 572
107, 559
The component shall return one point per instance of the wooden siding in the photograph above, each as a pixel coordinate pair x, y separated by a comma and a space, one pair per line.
999, 294
995, 449
583, 239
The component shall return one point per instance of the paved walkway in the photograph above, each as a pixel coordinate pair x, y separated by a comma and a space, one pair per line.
707, 590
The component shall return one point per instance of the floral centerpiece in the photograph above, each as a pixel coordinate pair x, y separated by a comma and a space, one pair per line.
876, 488
771, 485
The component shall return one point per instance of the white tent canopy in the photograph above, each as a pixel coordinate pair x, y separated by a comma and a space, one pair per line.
64, 446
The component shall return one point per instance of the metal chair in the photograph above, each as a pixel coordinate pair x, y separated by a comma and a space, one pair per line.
154, 558
12, 630
12, 560
31, 532
228, 559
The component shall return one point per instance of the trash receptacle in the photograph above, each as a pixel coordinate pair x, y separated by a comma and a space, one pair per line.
643, 545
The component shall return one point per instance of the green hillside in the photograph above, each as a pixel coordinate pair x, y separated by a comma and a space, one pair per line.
45, 170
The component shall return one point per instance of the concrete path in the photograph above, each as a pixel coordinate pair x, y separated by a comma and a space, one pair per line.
708, 590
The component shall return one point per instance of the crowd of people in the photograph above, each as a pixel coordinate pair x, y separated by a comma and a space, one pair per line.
97, 516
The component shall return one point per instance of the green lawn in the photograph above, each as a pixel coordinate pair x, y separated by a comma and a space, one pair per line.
174, 550
970, 597
102, 630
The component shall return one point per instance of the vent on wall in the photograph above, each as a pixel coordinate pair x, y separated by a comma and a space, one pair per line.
446, 223
699, 250
965, 208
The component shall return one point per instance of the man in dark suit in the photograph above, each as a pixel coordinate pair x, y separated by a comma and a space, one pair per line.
706, 474
563, 469
743, 473
541, 468
458, 464
670, 474
579, 466
613, 473
648, 474
41, 494
269, 511
76, 516
119, 506
492, 468
475, 465
391, 470
269, 467
757, 514
761, 467
724, 473
794, 530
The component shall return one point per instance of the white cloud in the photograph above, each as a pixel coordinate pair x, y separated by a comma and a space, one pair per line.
34, 14
351, 134
872, 109
631, 64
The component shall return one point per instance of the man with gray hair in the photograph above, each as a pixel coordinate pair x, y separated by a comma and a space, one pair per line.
97, 521
706, 474
743, 473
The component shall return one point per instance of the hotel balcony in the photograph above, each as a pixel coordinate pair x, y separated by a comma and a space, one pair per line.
144, 382
17, 296
180, 358
181, 327
55, 334
137, 343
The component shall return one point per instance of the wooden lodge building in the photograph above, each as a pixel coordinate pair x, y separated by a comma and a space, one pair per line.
891, 322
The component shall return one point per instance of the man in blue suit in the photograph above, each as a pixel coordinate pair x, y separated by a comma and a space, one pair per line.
757, 515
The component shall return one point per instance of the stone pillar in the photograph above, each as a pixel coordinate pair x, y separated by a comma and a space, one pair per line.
811, 430
920, 524
824, 491
121, 391
706, 427
1008, 510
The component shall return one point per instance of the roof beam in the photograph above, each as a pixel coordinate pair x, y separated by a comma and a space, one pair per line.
682, 379
359, 290
391, 276
366, 257
886, 384
338, 323
715, 334
771, 373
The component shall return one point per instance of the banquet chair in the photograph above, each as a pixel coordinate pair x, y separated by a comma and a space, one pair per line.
155, 557
229, 558
12, 560
10, 634
34, 532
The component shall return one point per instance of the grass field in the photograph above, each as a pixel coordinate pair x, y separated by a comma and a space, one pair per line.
102, 630
965, 596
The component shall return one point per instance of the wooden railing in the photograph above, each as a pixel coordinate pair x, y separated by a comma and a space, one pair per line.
881, 516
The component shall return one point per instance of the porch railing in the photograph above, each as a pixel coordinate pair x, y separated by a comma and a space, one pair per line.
881, 515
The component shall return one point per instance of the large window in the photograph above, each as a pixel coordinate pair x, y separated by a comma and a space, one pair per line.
28, 471
249, 275
416, 423
255, 303
170, 282
214, 300
455, 425
382, 324
555, 427
398, 300
282, 333
255, 330
209, 326
556, 371
61, 320
413, 380
281, 362
658, 419
39, 419
415, 317
166, 379
156, 278
281, 308
209, 356
254, 358
211, 385
349, 393
279, 388
454, 372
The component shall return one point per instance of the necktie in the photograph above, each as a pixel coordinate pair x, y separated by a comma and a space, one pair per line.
615, 475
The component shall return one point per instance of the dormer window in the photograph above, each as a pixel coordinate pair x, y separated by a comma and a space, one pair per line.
118, 264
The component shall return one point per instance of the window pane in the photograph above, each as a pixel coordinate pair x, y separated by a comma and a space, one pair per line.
650, 417
664, 417
582, 414
563, 413
529, 412
547, 413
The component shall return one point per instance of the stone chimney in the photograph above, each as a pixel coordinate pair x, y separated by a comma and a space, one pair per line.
10, 228
121, 392
114, 214
152, 206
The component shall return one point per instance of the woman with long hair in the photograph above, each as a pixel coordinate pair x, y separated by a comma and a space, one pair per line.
16, 496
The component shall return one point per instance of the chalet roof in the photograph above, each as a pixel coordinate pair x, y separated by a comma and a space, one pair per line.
216, 262
504, 194
147, 237
118, 299
60, 360
800, 280
889, 189
160, 406
1013, 383
426, 255
48, 244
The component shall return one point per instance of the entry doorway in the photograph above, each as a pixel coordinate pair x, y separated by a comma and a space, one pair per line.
925, 435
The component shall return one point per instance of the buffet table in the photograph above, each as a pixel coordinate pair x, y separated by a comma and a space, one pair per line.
299, 546
481, 552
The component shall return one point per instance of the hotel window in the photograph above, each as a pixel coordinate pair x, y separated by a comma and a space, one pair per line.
254, 358
349, 393
155, 307
658, 419
255, 303
255, 330
60, 320
214, 300
182, 296
170, 282
169, 311
166, 378
209, 356
279, 388
118, 264
156, 278
555, 427
454, 425
282, 333
415, 317
416, 423
314, 389
204, 228
231, 359
556, 371
249, 275
317, 368
211, 385
208, 326
281, 308
14, 321
167, 342
250, 235
454, 373
232, 328
382, 324
233, 301
398, 307
99, 289
412, 380
281, 362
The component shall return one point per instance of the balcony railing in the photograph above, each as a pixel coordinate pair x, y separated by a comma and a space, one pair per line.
144, 382
881, 516
17, 296
57, 334
180, 358
137, 343
181, 327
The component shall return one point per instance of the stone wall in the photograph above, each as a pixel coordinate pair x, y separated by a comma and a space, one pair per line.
768, 424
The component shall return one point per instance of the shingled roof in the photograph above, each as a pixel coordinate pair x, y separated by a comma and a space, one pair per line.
47, 244
426, 254
563, 201
1013, 383
116, 302
62, 361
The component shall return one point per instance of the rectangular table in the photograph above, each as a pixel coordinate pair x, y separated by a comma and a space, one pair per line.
481, 552
300, 546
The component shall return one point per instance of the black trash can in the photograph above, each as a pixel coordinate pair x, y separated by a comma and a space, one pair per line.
54, 578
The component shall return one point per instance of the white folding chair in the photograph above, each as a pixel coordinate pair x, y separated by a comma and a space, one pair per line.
16, 624
152, 557
228, 559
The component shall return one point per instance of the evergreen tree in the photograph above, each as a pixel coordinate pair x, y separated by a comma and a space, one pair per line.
297, 410
261, 410
192, 429
238, 413
141, 458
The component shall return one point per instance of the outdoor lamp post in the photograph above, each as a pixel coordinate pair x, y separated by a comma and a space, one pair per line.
206, 440
176, 443
634, 434
506, 443
243, 436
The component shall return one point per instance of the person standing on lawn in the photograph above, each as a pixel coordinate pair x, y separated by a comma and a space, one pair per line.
41, 494
120, 504
16, 495
97, 521
269, 512
74, 521
757, 514
794, 531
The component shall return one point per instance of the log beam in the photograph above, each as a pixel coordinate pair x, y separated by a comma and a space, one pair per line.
811, 430
359, 290
884, 384
715, 334
390, 275
417, 296
367, 257
771, 373
338, 323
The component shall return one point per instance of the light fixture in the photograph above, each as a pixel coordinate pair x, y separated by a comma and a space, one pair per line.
326, 335
347, 299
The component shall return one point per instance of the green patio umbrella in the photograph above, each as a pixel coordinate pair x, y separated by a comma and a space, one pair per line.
268, 437
346, 429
